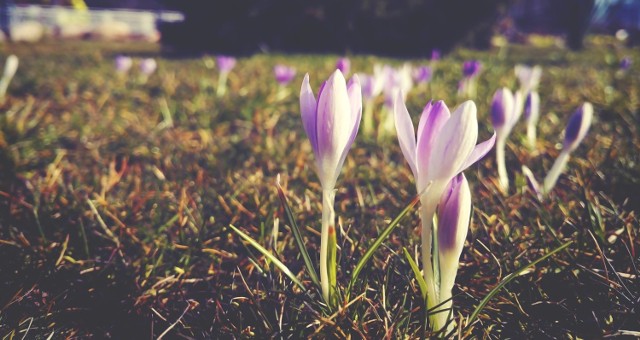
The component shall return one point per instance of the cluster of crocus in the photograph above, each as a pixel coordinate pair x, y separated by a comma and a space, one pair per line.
396, 80
445, 146
529, 78
225, 65
10, 68
331, 123
470, 71
575, 132
504, 115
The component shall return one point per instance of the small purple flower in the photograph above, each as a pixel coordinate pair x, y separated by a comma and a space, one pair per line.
225, 63
344, 65
625, 63
284, 74
422, 74
123, 64
471, 68
435, 54
148, 66
502, 110
578, 126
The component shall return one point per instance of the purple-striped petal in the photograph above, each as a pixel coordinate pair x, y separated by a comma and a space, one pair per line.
406, 134
434, 117
501, 108
453, 211
578, 126
308, 108
479, 151
456, 140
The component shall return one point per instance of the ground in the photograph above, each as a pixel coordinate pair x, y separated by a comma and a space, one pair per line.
116, 199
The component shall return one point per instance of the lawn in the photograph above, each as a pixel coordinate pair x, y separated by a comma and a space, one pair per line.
116, 198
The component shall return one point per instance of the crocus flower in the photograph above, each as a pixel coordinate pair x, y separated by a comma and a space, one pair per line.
454, 213
529, 77
148, 66
625, 63
10, 69
504, 116
123, 64
574, 134
422, 74
445, 146
372, 86
435, 54
331, 123
225, 65
531, 116
284, 74
470, 71
344, 65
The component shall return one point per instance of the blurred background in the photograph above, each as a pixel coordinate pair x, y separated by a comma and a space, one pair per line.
386, 27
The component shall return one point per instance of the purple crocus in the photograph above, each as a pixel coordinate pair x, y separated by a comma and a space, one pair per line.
454, 213
225, 63
575, 132
445, 146
123, 64
531, 116
344, 65
625, 63
471, 68
435, 54
148, 66
331, 123
504, 115
529, 77
284, 74
422, 74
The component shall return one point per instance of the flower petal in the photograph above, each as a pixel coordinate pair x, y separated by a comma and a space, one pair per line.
355, 98
479, 151
406, 134
456, 140
334, 127
308, 107
434, 117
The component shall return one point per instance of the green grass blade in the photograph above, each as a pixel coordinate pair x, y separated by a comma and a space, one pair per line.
416, 272
297, 235
270, 256
376, 244
508, 279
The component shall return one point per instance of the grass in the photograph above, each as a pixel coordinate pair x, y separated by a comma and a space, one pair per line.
114, 225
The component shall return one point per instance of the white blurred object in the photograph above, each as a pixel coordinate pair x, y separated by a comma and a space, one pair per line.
622, 34
28, 31
10, 68
112, 30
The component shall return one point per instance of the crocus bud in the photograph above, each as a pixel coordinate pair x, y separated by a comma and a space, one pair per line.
148, 66
422, 74
225, 63
284, 74
578, 126
123, 64
625, 63
435, 54
331, 123
502, 110
344, 65
532, 107
10, 66
454, 213
471, 68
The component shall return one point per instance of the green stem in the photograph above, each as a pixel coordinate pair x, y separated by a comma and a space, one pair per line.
328, 249
503, 178
222, 84
556, 170
427, 212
